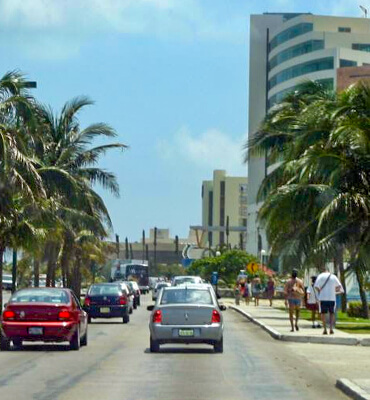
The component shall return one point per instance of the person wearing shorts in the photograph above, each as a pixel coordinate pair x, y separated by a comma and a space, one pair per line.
312, 302
327, 285
294, 292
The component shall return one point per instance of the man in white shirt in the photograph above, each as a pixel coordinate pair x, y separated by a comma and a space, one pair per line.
327, 286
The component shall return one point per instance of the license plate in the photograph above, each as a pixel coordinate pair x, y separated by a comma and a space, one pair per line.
105, 310
186, 332
36, 331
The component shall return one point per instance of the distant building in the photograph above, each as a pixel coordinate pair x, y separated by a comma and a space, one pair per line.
225, 197
287, 49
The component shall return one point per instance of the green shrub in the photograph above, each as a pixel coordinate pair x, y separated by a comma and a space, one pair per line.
355, 309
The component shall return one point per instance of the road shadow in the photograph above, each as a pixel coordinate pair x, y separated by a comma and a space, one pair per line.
181, 350
106, 323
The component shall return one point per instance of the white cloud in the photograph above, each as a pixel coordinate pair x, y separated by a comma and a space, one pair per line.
210, 150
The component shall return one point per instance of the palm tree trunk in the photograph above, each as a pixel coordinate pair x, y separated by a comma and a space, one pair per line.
36, 272
342, 279
2, 249
365, 305
67, 254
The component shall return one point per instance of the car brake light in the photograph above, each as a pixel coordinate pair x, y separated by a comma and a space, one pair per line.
87, 301
65, 314
157, 317
123, 300
216, 317
8, 315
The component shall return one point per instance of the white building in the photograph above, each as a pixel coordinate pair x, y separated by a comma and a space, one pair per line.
285, 50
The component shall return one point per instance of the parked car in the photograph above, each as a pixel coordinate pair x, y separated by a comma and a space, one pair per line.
179, 280
7, 282
137, 292
43, 314
107, 300
186, 314
157, 289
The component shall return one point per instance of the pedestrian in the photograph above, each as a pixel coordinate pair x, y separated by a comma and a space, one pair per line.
237, 293
294, 292
270, 289
246, 293
312, 302
256, 290
327, 286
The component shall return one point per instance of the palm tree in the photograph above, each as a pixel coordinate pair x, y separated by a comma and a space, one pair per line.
317, 199
67, 165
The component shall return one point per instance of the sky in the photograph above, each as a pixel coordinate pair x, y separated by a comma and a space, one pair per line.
170, 76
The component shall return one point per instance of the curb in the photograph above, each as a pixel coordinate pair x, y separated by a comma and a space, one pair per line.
302, 339
352, 390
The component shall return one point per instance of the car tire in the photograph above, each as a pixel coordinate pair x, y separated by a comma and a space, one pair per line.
135, 304
126, 319
219, 346
75, 342
138, 301
89, 320
131, 310
4, 343
84, 339
154, 345
17, 343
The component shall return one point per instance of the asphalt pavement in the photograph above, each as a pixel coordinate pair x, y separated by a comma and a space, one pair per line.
117, 364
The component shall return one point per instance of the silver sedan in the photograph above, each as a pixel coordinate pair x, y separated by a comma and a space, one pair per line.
186, 314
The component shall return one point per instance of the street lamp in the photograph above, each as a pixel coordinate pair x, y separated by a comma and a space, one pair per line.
263, 252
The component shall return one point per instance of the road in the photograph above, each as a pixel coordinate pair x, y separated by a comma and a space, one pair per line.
117, 364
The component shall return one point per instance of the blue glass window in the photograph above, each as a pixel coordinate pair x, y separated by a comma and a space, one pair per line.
295, 51
301, 69
361, 46
291, 33
347, 63
328, 83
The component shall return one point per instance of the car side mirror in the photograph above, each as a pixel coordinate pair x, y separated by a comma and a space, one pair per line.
218, 296
150, 308
5, 304
223, 308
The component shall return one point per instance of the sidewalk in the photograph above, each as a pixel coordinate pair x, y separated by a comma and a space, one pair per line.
276, 323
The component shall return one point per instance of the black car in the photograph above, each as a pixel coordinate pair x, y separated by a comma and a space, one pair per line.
107, 300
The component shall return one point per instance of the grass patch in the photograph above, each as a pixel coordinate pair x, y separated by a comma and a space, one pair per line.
341, 317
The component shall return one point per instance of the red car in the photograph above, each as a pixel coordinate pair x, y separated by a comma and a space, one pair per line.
43, 314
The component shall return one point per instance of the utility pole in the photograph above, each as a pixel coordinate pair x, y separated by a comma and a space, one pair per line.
177, 246
143, 242
127, 255
117, 246
155, 249
131, 252
227, 232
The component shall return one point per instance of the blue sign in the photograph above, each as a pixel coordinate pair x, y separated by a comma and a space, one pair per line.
214, 278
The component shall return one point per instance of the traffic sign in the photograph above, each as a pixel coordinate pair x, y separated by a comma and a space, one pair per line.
252, 267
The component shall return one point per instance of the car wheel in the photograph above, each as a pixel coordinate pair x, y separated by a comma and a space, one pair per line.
75, 342
154, 345
17, 343
4, 343
84, 339
131, 310
89, 320
138, 301
135, 305
126, 319
219, 346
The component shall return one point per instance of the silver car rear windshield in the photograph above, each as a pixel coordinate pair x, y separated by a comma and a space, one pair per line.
53, 296
186, 296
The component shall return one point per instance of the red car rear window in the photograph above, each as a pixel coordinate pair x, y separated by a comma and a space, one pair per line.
42, 295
